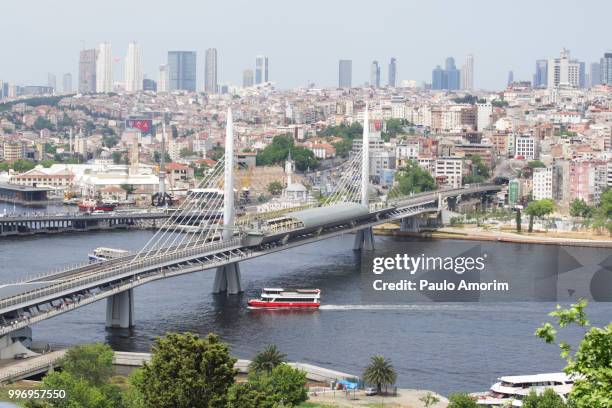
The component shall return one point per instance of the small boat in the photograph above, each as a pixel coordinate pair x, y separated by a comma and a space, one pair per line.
278, 298
104, 254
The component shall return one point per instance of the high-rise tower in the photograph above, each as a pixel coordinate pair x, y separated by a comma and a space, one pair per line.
104, 69
392, 73
133, 68
210, 71
345, 73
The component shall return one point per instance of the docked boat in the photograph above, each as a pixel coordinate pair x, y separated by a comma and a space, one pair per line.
510, 390
96, 205
104, 254
278, 298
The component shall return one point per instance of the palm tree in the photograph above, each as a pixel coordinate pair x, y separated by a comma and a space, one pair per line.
267, 359
380, 371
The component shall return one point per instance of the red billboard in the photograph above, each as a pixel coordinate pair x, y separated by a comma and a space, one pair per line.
144, 125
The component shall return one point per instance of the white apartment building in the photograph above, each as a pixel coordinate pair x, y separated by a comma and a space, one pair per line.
448, 171
542, 183
563, 71
483, 115
526, 147
406, 152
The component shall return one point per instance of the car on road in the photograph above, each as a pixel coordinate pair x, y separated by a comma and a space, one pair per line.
370, 391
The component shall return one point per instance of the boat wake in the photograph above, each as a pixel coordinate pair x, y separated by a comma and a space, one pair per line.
388, 307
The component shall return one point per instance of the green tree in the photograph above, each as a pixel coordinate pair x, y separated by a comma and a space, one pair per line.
590, 363
187, 372
461, 400
186, 152
343, 147
535, 164
480, 171
117, 157
379, 372
275, 188
92, 362
267, 359
47, 163
110, 140
23, 165
579, 208
283, 386
4, 166
247, 395
413, 179
86, 370
539, 209
278, 152
603, 213
128, 188
346, 132
394, 127
42, 123
548, 399
429, 400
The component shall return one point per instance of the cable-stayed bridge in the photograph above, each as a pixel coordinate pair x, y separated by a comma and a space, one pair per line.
220, 241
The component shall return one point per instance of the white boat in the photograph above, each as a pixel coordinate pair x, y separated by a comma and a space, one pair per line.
278, 298
510, 390
104, 254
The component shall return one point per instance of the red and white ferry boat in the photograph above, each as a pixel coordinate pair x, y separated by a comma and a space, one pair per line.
278, 298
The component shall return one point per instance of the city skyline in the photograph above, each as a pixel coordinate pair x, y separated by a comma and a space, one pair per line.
296, 57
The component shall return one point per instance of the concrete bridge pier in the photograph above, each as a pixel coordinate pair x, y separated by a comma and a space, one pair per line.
227, 279
120, 310
411, 224
364, 240
16, 344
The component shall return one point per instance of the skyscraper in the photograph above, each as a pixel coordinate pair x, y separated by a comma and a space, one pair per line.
595, 74
392, 72
104, 69
606, 69
438, 79
467, 73
540, 78
87, 71
210, 71
375, 74
67, 83
261, 69
510, 77
247, 78
52, 82
133, 68
345, 73
182, 70
163, 80
452, 74
564, 71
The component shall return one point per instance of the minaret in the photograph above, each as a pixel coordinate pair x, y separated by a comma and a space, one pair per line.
289, 168
365, 158
70, 145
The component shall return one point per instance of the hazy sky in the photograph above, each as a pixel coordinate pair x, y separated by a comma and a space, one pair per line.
304, 39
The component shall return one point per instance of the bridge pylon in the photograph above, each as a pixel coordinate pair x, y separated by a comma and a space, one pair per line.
227, 277
364, 239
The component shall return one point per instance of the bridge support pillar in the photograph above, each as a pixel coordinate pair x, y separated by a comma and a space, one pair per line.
227, 279
410, 224
364, 240
16, 344
120, 310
